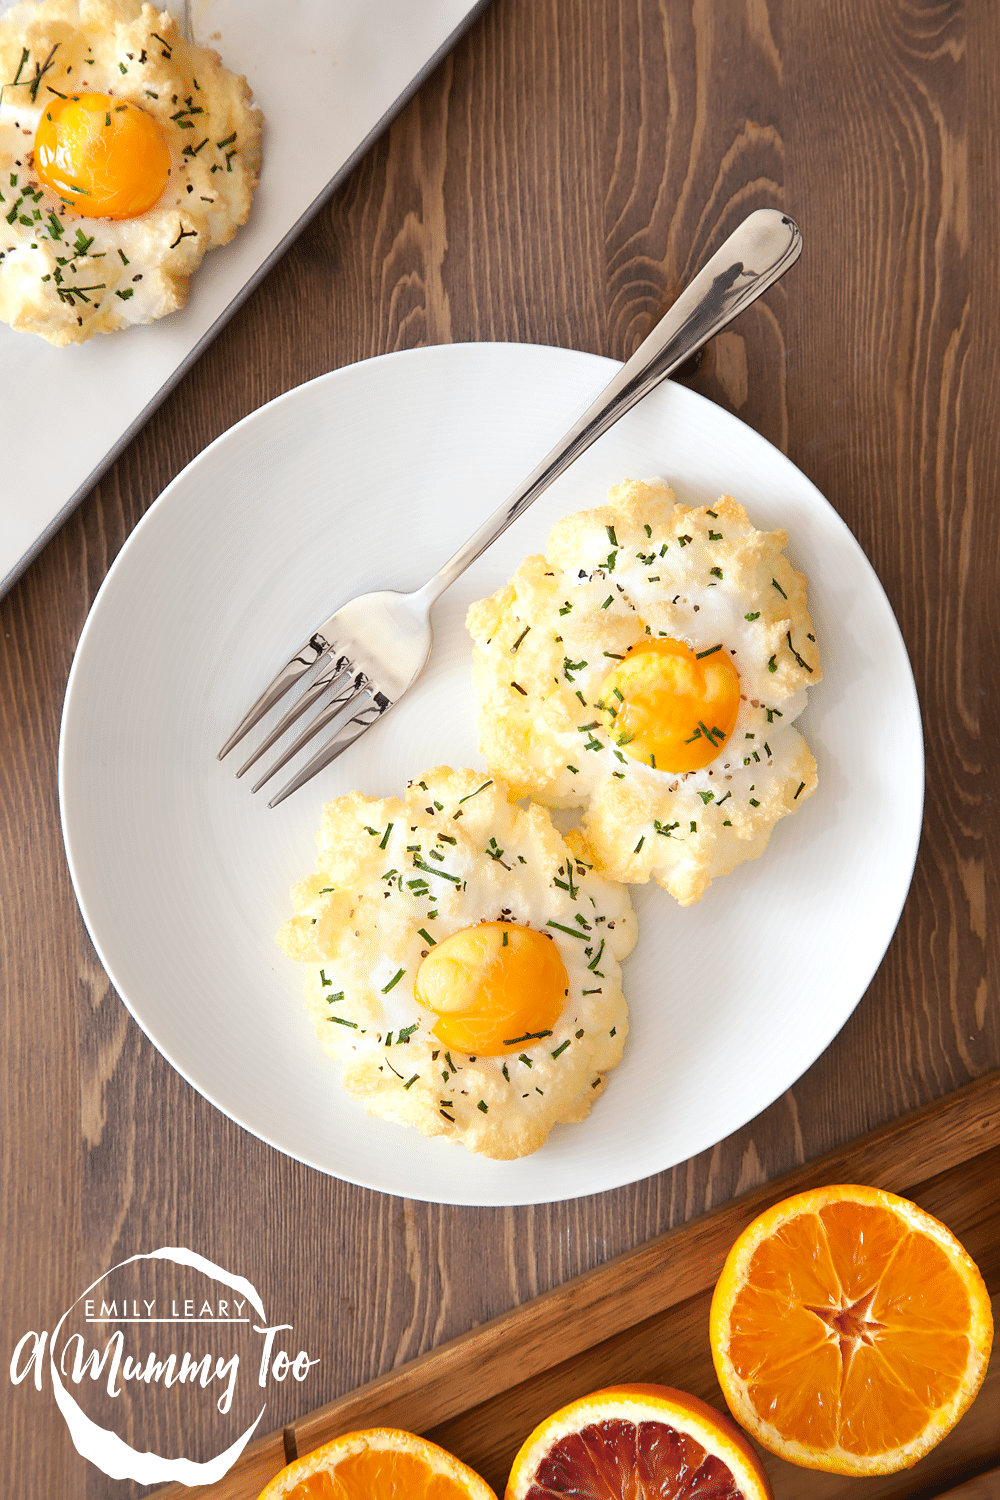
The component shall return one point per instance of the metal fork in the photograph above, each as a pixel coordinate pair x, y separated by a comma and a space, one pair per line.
373, 648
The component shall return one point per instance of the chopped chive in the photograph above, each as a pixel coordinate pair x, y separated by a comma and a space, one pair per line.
714, 536
341, 1021
805, 664
475, 793
422, 932
592, 966
411, 1081
754, 802
776, 585
445, 875
523, 1057
607, 601
801, 788
227, 142
520, 638
707, 797
772, 665
710, 652
571, 931
639, 845
323, 978
755, 615
394, 981
561, 1048
483, 1106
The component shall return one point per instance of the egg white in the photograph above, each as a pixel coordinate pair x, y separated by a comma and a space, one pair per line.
67, 277
393, 874
641, 567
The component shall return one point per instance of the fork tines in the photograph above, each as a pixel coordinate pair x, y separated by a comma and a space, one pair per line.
340, 682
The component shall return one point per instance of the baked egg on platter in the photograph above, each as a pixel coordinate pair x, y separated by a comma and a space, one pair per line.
126, 153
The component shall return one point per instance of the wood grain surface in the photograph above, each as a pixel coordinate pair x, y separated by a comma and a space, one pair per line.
555, 181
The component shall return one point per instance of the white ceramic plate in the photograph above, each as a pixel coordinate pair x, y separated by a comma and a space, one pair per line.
370, 477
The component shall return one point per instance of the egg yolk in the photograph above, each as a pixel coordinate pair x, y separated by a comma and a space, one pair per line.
493, 987
669, 706
107, 159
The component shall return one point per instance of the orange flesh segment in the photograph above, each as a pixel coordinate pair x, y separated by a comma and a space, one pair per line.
379, 1475
105, 157
843, 1302
633, 1460
494, 987
669, 706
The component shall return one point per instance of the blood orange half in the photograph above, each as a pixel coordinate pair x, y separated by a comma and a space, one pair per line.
637, 1442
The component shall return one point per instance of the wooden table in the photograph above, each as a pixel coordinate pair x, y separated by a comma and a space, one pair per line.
555, 181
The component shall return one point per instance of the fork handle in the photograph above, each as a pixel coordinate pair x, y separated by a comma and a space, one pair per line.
752, 259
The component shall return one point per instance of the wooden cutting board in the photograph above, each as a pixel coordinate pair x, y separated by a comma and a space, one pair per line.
644, 1317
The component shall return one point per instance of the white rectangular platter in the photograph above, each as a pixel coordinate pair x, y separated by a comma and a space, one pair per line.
329, 76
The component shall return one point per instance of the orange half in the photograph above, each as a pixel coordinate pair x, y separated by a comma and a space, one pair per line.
850, 1330
636, 1440
381, 1464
